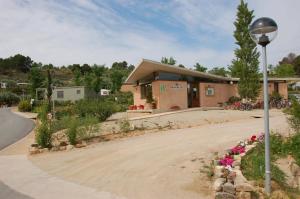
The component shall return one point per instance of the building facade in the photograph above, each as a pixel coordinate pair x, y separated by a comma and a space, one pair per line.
72, 93
172, 87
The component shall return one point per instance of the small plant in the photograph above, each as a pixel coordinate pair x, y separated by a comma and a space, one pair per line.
88, 128
24, 106
294, 119
43, 135
233, 99
72, 131
125, 125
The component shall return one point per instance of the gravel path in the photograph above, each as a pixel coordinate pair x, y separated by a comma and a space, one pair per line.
160, 165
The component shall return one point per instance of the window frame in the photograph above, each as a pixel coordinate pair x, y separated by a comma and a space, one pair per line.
60, 94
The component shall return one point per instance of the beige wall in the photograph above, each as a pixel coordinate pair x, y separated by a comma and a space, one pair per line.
282, 89
69, 93
170, 93
222, 92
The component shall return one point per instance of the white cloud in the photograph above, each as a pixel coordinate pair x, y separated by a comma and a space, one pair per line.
87, 31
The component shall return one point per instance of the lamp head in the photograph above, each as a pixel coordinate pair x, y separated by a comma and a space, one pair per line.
263, 31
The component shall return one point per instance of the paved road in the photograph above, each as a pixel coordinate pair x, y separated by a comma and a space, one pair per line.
12, 127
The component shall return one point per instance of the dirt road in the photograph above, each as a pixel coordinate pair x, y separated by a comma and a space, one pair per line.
162, 165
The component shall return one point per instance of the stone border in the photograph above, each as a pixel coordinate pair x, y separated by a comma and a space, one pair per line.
229, 181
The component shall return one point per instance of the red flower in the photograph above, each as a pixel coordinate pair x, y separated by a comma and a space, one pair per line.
253, 138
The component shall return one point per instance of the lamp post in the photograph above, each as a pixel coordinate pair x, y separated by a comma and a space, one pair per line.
262, 32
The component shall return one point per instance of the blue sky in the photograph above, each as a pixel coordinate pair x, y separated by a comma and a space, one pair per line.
104, 31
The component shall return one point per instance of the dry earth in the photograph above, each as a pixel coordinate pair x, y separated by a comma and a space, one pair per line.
162, 165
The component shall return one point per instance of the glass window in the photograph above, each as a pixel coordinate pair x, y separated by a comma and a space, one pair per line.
60, 94
78, 91
210, 91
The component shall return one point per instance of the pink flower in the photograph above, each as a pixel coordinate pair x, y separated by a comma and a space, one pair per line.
238, 150
226, 161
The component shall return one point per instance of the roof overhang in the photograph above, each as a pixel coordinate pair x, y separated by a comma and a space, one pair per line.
147, 67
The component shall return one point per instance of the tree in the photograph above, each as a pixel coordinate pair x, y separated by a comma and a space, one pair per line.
77, 75
289, 59
245, 65
49, 86
200, 68
219, 71
296, 64
36, 79
170, 61
181, 66
284, 70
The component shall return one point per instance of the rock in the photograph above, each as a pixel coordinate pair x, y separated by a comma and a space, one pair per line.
70, 147
33, 150
84, 143
217, 186
237, 157
62, 148
278, 194
244, 187
219, 171
55, 148
58, 138
231, 177
236, 163
229, 188
237, 168
239, 178
243, 195
249, 147
44, 150
224, 195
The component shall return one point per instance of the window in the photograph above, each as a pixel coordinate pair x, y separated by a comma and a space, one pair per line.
78, 92
210, 91
60, 94
146, 91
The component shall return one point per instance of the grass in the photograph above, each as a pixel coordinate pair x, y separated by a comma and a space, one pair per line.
253, 164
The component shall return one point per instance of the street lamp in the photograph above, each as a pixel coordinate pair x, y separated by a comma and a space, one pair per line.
262, 32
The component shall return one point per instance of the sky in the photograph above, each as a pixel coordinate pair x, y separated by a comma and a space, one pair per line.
64, 32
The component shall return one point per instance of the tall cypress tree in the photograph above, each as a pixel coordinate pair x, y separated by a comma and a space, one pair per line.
246, 64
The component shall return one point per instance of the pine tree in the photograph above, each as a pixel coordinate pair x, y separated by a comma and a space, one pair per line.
246, 64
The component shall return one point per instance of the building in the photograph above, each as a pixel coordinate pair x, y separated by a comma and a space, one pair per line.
172, 87
3, 85
104, 92
73, 93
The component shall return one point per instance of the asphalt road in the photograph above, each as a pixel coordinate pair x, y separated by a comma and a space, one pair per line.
12, 127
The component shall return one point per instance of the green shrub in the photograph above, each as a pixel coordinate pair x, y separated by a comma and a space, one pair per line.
294, 147
72, 131
88, 127
24, 106
43, 111
233, 99
43, 135
278, 145
124, 125
8, 98
253, 166
97, 108
294, 119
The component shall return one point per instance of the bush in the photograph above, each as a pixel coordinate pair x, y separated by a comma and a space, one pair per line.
8, 98
233, 99
124, 125
97, 108
88, 127
43, 135
294, 119
72, 131
24, 106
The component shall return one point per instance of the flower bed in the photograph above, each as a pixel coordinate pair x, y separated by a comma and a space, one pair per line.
230, 182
